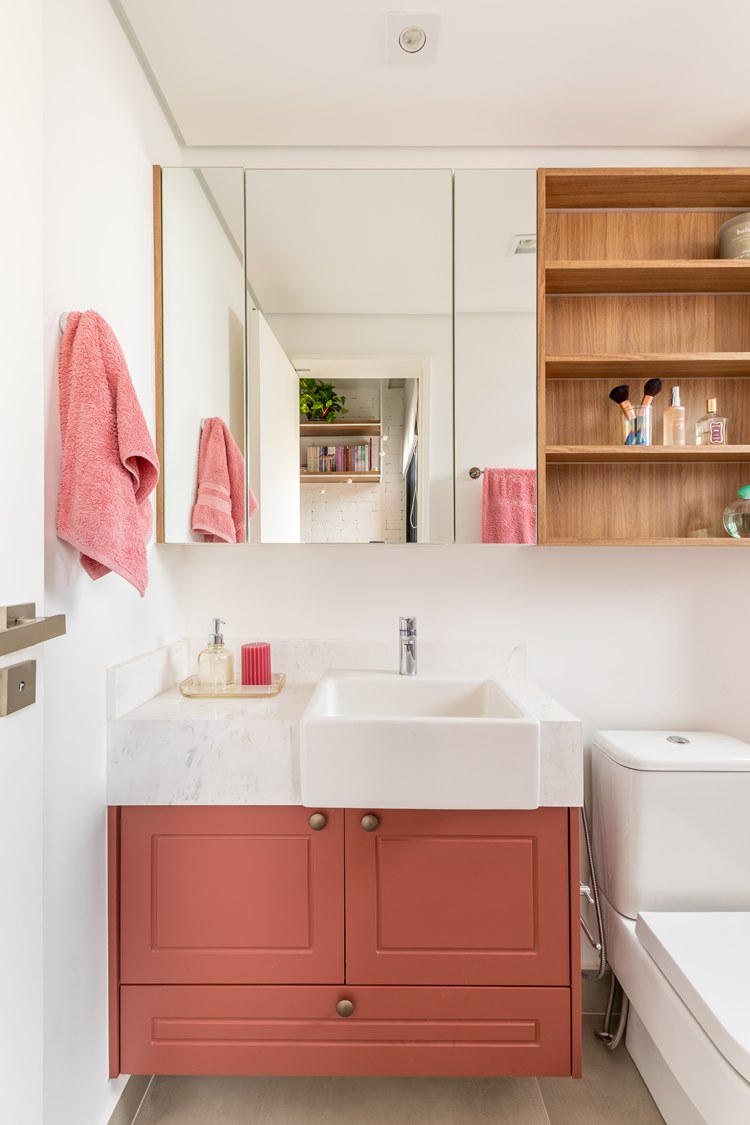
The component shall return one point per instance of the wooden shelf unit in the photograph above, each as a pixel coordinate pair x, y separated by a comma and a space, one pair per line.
340, 429
340, 478
335, 432
630, 287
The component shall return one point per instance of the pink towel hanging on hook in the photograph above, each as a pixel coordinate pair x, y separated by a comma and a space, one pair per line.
219, 510
109, 464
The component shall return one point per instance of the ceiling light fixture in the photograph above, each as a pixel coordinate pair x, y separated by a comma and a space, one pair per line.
411, 37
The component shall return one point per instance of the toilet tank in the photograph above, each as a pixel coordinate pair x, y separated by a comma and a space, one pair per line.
671, 820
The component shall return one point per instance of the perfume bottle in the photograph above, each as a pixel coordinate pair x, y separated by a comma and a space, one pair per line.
711, 429
674, 421
737, 515
216, 663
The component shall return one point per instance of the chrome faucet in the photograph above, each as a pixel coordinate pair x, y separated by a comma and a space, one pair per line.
407, 635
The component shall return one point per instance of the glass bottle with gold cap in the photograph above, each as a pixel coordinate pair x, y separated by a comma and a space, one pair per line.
711, 429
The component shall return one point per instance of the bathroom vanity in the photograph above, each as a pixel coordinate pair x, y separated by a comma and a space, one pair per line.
260, 936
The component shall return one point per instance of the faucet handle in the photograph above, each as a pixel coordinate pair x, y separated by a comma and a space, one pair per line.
407, 626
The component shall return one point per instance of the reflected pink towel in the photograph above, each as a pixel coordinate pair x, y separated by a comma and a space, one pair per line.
219, 510
109, 464
509, 506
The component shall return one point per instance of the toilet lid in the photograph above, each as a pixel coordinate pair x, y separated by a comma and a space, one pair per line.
685, 751
704, 956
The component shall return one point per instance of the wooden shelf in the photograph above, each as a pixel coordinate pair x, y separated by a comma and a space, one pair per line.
692, 541
630, 289
695, 365
340, 478
704, 276
646, 454
370, 428
648, 188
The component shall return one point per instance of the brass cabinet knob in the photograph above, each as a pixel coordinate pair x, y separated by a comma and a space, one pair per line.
370, 822
317, 821
344, 1008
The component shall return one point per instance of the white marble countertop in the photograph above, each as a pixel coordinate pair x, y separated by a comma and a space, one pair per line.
166, 749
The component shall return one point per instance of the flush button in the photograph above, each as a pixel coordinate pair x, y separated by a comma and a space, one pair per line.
17, 687
679, 739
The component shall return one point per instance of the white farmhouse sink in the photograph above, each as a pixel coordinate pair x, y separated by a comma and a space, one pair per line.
380, 740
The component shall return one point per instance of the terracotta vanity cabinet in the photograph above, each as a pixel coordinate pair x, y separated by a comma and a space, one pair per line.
385, 942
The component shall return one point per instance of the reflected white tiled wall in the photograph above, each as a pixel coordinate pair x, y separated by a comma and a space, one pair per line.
362, 513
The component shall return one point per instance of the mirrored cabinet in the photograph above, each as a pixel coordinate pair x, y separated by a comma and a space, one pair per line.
410, 293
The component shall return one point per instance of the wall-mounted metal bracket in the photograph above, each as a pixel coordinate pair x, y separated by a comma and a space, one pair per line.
17, 687
21, 628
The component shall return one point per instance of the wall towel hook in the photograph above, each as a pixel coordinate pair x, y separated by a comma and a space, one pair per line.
63, 321
475, 473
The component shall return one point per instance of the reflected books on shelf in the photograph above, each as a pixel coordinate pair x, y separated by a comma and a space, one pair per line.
340, 458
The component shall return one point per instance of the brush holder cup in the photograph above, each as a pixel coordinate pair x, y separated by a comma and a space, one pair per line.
637, 430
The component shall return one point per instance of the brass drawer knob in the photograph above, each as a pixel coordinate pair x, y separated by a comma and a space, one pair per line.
317, 821
344, 1008
370, 822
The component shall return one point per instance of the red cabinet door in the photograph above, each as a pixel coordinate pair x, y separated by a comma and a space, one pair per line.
456, 897
216, 895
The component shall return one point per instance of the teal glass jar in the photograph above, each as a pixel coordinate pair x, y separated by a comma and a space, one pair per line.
737, 514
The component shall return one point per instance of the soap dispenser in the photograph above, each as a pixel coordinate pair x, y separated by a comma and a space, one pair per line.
216, 663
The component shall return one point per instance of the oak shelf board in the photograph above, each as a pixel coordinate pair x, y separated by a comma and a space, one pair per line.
340, 478
685, 365
370, 428
645, 454
687, 541
647, 188
711, 275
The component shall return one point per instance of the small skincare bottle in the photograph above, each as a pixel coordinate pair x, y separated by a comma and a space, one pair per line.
216, 663
674, 421
711, 429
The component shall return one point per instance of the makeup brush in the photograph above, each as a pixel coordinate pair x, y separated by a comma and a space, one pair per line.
651, 389
643, 424
620, 395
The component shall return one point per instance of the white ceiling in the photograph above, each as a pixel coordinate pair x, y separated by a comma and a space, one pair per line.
587, 72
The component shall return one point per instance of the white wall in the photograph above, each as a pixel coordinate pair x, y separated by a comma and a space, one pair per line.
103, 131
21, 559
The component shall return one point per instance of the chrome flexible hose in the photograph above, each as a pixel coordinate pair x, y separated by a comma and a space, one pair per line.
598, 973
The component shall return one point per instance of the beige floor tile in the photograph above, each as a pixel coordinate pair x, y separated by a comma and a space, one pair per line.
343, 1101
611, 1091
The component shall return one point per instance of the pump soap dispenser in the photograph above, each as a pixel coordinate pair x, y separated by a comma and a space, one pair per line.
216, 663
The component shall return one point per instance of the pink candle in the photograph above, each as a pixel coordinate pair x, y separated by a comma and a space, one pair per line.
256, 663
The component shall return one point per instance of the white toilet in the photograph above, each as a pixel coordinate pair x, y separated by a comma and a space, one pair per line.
671, 836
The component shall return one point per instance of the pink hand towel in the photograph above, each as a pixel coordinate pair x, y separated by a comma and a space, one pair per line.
109, 464
219, 510
509, 506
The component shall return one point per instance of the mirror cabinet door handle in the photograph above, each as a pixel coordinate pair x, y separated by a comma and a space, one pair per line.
317, 821
344, 1008
370, 822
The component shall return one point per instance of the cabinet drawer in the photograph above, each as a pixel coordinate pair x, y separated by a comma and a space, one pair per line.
248, 894
392, 1031
463, 898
